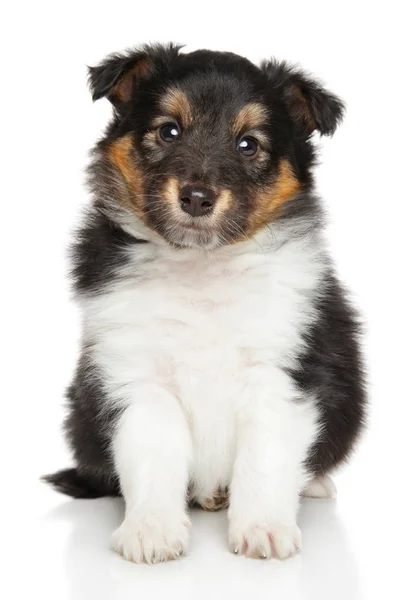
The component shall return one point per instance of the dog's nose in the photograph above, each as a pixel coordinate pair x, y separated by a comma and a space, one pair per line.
197, 200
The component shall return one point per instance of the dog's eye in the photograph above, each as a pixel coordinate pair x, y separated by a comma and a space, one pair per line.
248, 146
169, 133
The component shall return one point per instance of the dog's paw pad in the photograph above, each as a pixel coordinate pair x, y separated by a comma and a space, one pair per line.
150, 539
264, 541
218, 501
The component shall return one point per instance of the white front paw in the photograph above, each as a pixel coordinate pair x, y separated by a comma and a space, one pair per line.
264, 539
152, 538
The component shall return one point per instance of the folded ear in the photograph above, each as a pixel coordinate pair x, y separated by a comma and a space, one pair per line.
118, 75
309, 104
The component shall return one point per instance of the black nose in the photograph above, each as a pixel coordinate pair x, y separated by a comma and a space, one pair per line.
197, 200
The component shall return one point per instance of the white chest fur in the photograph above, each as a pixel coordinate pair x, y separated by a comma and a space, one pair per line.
197, 325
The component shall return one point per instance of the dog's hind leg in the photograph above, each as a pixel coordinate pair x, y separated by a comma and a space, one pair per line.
321, 486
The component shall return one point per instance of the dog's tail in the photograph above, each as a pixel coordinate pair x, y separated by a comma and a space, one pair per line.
78, 485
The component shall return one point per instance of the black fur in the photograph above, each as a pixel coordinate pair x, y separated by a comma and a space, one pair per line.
325, 108
331, 371
99, 249
104, 77
216, 82
86, 485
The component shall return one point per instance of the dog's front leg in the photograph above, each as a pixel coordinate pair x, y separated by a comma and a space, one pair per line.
152, 453
275, 431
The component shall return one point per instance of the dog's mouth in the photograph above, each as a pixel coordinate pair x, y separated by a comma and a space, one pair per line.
185, 218
197, 233
196, 226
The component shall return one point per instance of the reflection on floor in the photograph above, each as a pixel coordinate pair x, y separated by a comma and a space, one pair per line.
325, 569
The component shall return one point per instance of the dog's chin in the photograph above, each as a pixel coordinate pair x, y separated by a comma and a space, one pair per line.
183, 236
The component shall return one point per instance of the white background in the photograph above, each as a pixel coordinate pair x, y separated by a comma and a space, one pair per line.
54, 547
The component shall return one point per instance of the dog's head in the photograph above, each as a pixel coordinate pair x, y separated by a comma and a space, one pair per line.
206, 148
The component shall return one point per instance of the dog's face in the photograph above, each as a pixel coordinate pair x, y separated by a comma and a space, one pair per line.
206, 148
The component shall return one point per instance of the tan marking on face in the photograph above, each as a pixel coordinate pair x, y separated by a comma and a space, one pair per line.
150, 140
268, 201
159, 121
251, 116
285, 187
121, 155
223, 204
176, 104
170, 192
124, 88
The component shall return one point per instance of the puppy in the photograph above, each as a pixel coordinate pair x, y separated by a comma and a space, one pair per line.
219, 358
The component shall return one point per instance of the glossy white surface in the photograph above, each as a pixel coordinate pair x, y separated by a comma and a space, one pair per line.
64, 552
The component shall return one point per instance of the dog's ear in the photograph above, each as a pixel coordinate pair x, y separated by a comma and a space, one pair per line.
309, 104
118, 75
